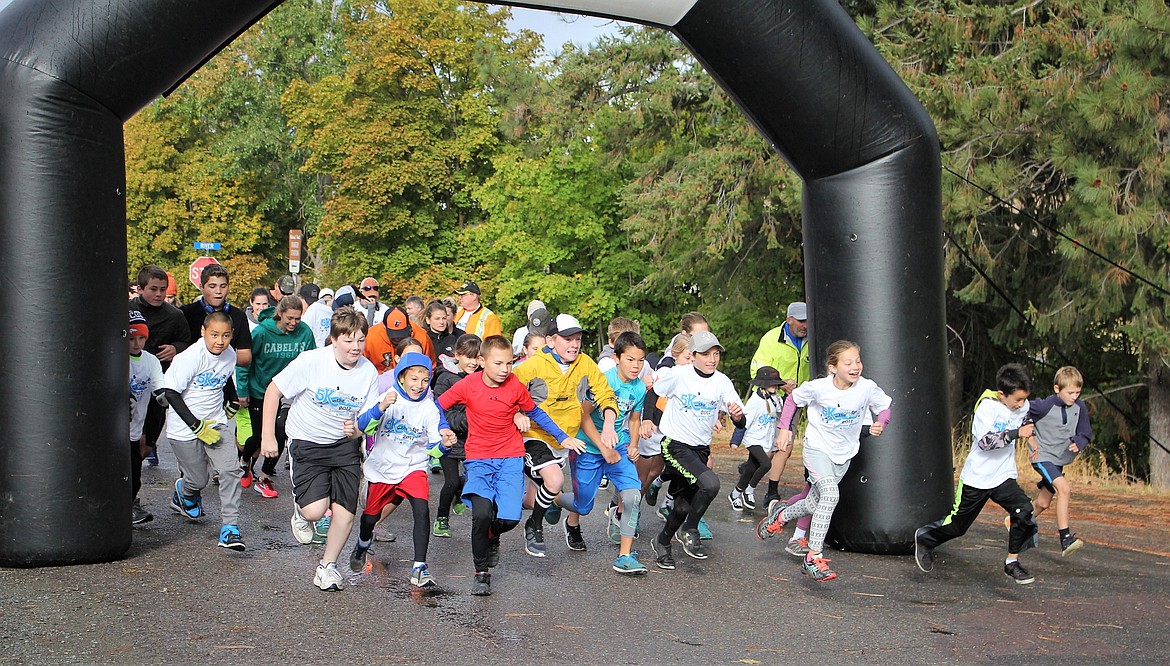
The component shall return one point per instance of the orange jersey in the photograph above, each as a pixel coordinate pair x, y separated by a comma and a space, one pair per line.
380, 349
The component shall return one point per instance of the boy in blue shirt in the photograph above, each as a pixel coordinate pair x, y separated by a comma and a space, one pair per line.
1062, 432
615, 463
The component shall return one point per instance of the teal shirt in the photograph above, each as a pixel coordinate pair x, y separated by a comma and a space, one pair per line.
273, 349
630, 396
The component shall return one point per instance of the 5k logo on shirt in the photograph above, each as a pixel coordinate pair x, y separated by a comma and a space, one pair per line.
336, 402
138, 387
839, 418
692, 402
397, 428
209, 380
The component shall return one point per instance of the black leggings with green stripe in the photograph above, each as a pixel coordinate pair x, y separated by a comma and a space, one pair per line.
691, 481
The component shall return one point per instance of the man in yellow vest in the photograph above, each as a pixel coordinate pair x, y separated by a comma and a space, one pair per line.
473, 317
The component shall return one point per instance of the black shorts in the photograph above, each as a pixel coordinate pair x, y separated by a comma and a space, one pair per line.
537, 456
326, 470
683, 461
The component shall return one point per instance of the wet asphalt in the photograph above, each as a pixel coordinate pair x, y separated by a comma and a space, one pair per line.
177, 598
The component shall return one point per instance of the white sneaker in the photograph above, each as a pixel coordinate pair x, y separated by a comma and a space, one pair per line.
736, 499
328, 577
302, 529
749, 498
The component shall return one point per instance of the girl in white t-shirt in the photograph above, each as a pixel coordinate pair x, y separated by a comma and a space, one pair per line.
836, 413
762, 411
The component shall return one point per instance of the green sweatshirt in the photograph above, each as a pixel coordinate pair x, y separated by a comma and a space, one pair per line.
273, 349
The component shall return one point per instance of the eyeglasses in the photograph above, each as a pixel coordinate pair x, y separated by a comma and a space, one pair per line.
369, 289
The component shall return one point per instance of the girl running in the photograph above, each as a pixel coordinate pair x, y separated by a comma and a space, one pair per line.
762, 411
837, 406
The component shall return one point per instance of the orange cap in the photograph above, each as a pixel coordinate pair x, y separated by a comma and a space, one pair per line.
172, 288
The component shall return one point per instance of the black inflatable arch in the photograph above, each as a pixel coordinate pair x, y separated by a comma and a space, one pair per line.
72, 71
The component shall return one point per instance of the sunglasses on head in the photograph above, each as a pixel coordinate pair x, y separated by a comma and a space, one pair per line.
369, 289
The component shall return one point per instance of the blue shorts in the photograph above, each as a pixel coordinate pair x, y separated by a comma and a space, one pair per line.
1049, 472
500, 480
588, 468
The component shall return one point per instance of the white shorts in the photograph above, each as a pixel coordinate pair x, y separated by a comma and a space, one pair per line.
820, 466
652, 446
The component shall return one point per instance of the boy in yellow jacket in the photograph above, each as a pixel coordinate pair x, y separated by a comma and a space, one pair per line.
558, 378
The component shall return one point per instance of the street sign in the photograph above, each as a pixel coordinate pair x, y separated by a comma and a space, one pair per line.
296, 239
203, 245
197, 267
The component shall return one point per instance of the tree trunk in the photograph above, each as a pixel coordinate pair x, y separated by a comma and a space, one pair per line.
1159, 381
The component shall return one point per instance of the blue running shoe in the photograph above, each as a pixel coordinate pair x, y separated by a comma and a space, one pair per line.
152, 457
191, 509
321, 530
553, 515
229, 537
704, 531
628, 565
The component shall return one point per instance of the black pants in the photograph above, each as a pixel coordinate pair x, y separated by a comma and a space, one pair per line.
420, 510
452, 485
152, 427
969, 502
690, 481
256, 413
485, 529
758, 464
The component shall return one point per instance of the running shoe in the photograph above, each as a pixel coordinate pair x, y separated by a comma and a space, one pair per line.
420, 577
662, 555
229, 537
628, 565
1069, 545
652, 494
321, 530
328, 577
614, 530
246, 478
553, 515
191, 509
384, 535
493, 552
302, 529
797, 547
603, 484
534, 539
749, 498
266, 488
769, 499
772, 524
138, 515
436, 468
573, 538
482, 586
923, 556
736, 499
442, 527
664, 512
704, 531
1018, 573
357, 557
692, 544
459, 508
818, 569
152, 457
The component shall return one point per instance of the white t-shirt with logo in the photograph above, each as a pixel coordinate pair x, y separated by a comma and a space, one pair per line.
324, 395
318, 318
400, 442
146, 377
987, 469
199, 376
835, 416
693, 403
761, 423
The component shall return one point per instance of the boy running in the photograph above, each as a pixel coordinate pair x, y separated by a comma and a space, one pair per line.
201, 393
495, 452
328, 388
1062, 432
146, 376
989, 473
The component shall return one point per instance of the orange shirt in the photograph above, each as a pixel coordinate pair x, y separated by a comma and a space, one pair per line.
380, 349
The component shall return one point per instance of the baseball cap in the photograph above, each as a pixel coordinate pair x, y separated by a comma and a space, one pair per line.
468, 287
369, 282
534, 306
287, 285
325, 293
767, 376
565, 325
798, 311
138, 324
538, 320
172, 288
704, 341
344, 297
396, 323
310, 292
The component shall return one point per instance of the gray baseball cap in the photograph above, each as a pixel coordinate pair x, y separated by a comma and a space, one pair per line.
703, 341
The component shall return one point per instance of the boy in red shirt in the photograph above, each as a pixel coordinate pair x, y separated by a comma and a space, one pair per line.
495, 451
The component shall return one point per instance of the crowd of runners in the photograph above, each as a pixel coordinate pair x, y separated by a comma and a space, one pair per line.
371, 399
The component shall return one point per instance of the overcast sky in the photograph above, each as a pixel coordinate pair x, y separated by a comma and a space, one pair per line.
560, 28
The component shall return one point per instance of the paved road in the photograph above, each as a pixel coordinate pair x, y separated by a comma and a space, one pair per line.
177, 598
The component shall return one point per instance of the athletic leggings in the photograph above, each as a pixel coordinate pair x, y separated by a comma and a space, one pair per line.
691, 481
252, 445
135, 470
758, 464
485, 529
804, 521
422, 526
452, 485
820, 503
